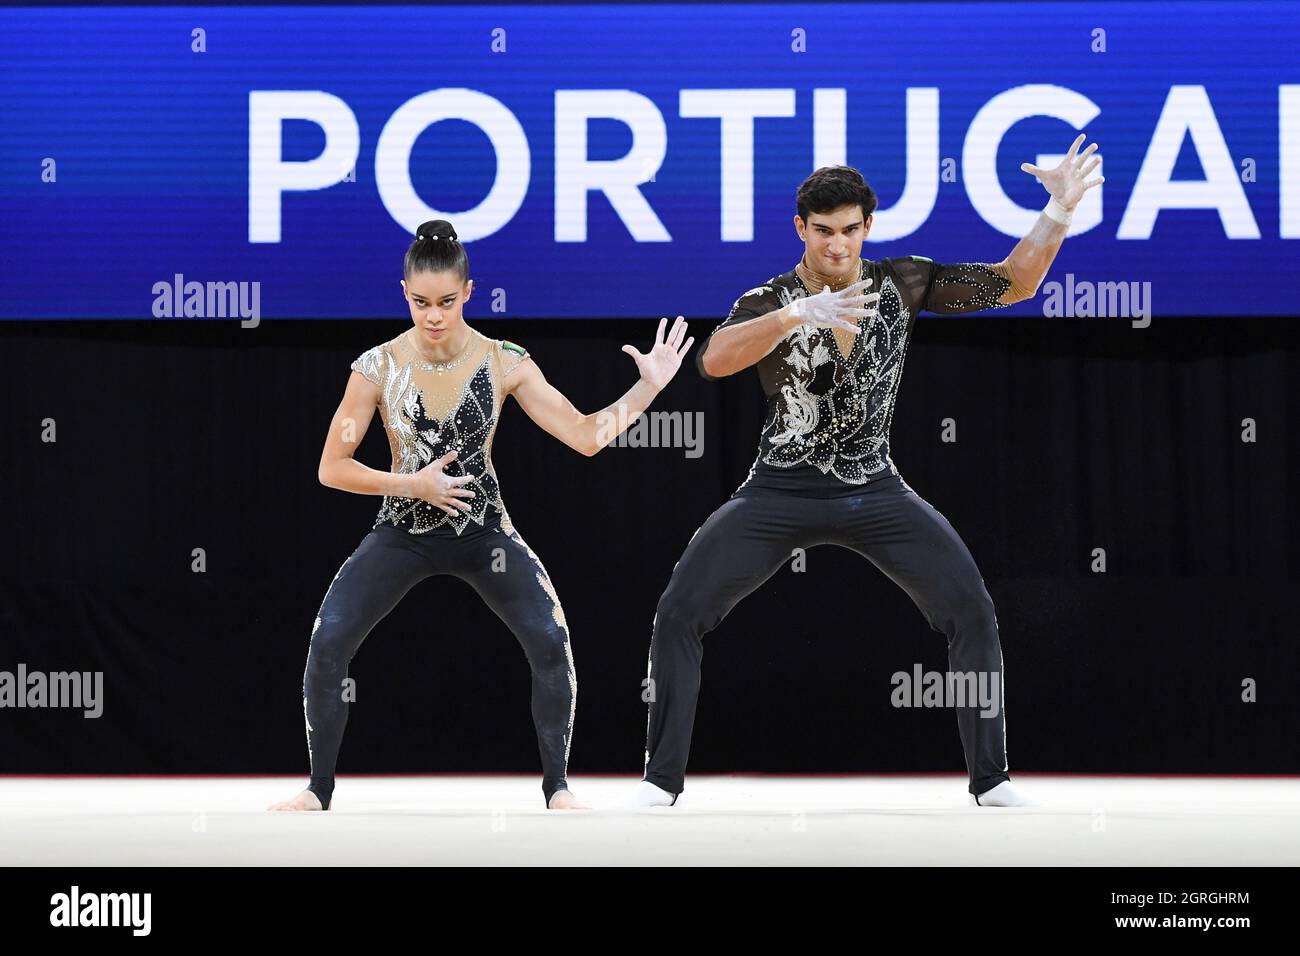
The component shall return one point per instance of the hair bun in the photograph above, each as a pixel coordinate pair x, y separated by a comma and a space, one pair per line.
436, 229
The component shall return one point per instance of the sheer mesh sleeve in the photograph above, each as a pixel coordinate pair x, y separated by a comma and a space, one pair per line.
370, 364
754, 304
950, 289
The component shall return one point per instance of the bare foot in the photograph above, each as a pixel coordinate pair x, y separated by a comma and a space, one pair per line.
563, 800
304, 801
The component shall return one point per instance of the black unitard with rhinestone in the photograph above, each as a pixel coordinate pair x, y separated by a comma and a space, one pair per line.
427, 411
823, 475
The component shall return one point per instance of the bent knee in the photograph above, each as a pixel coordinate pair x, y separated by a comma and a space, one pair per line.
973, 610
682, 612
548, 649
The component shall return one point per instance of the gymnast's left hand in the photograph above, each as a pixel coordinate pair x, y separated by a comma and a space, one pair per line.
660, 364
1066, 182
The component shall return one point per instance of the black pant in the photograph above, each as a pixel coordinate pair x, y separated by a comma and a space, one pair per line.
744, 542
505, 572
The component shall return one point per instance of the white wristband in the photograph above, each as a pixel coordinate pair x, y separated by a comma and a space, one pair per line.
1055, 211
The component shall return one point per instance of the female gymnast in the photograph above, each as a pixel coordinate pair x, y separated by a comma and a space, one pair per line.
439, 387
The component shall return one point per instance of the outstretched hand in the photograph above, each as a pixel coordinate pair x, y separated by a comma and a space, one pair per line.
660, 364
837, 310
1066, 182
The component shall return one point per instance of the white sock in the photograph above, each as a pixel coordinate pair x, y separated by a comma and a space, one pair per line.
648, 795
1003, 795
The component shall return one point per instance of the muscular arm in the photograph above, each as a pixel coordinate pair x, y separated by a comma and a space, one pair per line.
555, 414
1027, 265
338, 469
548, 407
971, 286
739, 346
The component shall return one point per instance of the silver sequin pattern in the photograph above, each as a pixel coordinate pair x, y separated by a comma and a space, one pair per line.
419, 437
833, 411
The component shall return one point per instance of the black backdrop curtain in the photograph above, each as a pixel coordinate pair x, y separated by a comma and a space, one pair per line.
1071, 435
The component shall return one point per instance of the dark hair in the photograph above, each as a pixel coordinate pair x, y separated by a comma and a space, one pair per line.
831, 187
436, 249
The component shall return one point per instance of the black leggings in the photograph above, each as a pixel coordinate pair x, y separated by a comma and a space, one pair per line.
505, 572
744, 542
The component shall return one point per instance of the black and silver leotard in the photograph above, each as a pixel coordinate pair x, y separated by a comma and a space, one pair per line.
830, 394
429, 411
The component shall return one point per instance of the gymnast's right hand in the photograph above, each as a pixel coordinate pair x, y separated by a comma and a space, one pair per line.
839, 310
441, 490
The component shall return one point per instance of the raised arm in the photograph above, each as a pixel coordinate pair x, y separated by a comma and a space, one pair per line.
970, 286
554, 413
